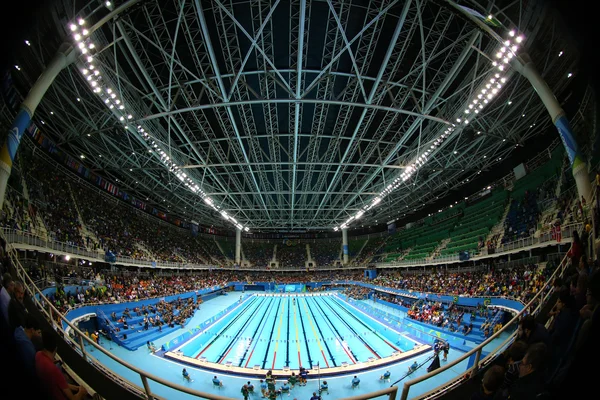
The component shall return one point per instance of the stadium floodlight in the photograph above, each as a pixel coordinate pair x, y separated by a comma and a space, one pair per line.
481, 97
109, 96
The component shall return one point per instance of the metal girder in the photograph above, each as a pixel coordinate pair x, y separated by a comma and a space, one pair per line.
293, 114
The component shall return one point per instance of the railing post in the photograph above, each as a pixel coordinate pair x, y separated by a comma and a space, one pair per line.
147, 387
405, 390
83, 352
476, 363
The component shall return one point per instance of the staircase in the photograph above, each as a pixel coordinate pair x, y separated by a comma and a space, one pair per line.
229, 261
85, 232
499, 228
144, 250
438, 249
359, 252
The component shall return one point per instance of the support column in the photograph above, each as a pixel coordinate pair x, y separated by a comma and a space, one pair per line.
578, 165
63, 58
238, 246
345, 245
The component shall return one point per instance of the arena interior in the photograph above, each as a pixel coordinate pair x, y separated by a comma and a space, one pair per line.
313, 199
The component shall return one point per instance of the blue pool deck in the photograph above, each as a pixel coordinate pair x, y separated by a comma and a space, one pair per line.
276, 317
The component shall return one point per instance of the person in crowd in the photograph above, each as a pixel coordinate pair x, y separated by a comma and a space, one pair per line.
490, 384
355, 382
26, 337
186, 375
250, 387
216, 381
386, 375
50, 374
285, 387
151, 346
293, 379
245, 392
315, 396
16, 307
514, 356
413, 367
531, 373
324, 387
531, 331
6, 293
263, 388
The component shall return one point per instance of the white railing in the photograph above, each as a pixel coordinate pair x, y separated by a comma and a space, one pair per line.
55, 317
52, 314
546, 237
534, 305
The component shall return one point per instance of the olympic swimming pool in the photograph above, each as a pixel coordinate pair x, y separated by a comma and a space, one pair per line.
228, 306
289, 331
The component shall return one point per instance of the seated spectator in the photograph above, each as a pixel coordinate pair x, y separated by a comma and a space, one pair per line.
385, 376
26, 337
490, 384
285, 387
51, 375
324, 387
413, 367
151, 346
186, 375
217, 382
292, 380
531, 331
514, 354
531, 373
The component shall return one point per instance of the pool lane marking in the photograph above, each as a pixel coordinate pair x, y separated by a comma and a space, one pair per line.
218, 336
287, 339
250, 342
278, 332
316, 336
352, 329
270, 337
297, 338
235, 337
377, 333
259, 335
352, 357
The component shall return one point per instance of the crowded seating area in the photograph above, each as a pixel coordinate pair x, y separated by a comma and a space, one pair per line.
259, 254
291, 254
324, 253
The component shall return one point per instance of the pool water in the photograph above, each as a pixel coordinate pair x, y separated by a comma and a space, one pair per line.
277, 331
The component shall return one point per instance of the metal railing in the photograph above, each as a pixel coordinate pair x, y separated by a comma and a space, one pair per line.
535, 303
79, 341
547, 237
51, 313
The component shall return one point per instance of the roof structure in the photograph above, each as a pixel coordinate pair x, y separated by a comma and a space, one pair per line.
289, 115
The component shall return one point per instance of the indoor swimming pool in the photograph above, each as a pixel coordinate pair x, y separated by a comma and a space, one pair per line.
285, 331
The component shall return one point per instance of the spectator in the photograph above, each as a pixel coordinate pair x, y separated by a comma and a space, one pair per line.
490, 384
355, 381
515, 355
531, 331
16, 307
26, 336
6, 294
413, 367
217, 382
531, 374
51, 375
